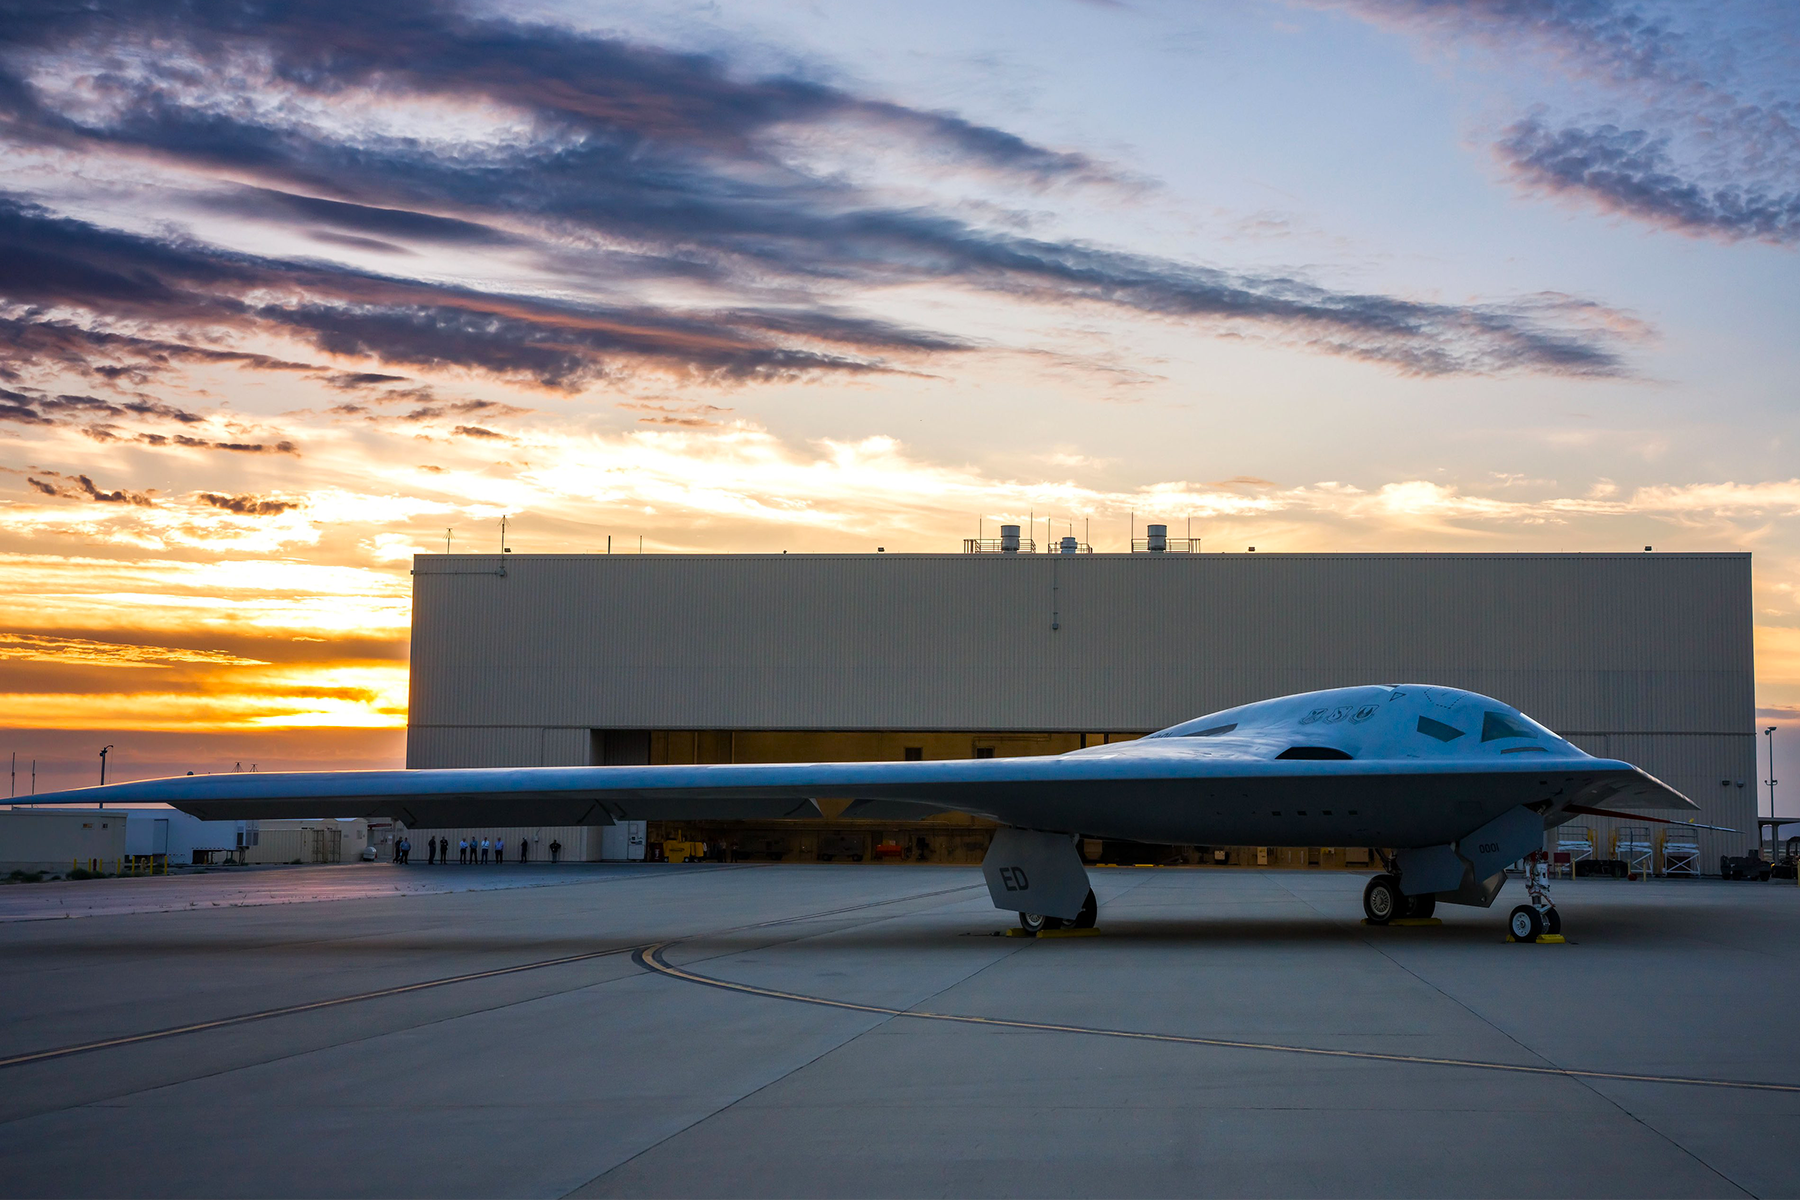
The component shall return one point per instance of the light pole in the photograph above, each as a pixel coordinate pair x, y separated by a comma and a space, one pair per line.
103, 751
1774, 830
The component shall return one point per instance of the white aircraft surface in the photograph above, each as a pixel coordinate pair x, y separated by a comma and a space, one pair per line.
1458, 785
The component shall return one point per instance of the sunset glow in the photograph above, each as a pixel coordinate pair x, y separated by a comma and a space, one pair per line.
288, 299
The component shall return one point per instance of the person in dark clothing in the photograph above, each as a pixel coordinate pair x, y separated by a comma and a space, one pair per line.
431, 851
524, 850
443, 850
555, 849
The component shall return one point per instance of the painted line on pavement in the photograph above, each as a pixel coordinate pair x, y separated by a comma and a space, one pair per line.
651, 958
153, 1035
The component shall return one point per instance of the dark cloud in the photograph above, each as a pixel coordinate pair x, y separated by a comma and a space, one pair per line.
108, 356
1713, 146
82, 487
366, 223
349, 380
49, 261
464, 408
476, 431
194, 443
1620, 41
630, 164
248, 506
72, 409
1631, 172
352, 242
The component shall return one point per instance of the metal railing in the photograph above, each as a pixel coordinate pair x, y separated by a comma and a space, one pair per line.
1025, 546
1167, 545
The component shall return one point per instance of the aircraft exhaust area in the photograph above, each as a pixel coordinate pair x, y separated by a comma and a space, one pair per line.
816, 1030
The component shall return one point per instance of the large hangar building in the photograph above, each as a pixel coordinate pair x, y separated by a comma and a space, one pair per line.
526, 660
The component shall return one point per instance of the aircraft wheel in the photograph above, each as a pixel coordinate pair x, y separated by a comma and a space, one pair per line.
1552, 920
1038, 922
1090, 912
1525, 924
1421, 906
1382, 901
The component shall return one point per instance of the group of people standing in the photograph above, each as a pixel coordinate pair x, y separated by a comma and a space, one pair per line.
470, 850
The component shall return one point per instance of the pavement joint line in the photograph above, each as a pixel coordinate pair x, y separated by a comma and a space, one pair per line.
650, 958
789, 1074
153, 1035
311, 1006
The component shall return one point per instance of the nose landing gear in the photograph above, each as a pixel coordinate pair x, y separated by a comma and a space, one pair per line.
1537, 921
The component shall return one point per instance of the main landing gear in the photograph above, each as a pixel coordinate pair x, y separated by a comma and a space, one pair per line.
1038, 923
1539, 918
1383, 901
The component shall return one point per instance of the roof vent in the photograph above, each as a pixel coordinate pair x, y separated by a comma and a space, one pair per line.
1156, 538
1009, 539
1067, 546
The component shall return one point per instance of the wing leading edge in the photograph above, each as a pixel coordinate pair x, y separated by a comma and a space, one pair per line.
1152, 796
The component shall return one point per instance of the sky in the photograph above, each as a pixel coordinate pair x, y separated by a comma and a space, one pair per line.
291, 292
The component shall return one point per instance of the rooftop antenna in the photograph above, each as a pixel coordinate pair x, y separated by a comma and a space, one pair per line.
640, 543
446, 541
609, 543
503, 548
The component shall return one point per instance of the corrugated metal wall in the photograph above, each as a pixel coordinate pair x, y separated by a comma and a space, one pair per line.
513, 659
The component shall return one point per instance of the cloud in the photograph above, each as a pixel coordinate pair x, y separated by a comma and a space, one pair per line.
112, 357
476, 431
194, 443
1630, 172
1711, 144
248, 506
55, 262
610, 168
87, 652
81, 487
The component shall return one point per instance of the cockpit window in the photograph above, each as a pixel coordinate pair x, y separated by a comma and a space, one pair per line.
1215, 731
1439, 730
1495, 726
1313, 752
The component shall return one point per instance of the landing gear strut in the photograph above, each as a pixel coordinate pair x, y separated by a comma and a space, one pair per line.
1529, 922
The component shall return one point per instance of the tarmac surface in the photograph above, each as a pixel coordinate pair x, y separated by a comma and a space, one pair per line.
701, 1030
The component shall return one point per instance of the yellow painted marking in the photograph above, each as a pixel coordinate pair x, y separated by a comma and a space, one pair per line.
652, 959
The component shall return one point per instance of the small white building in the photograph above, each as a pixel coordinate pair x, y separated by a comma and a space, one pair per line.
58, 839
